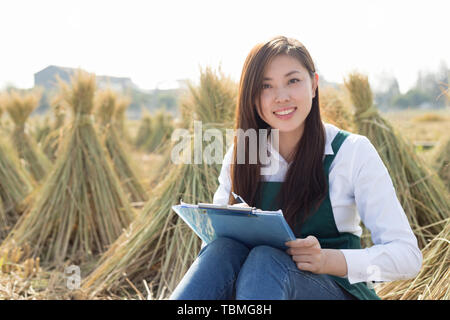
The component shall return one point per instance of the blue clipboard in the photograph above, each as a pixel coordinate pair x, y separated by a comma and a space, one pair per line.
251, 226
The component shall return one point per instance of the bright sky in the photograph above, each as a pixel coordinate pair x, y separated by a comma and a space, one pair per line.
157, 42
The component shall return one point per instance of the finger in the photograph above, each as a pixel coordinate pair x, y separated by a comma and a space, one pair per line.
310, 241
303, 243
302, 258
298, 243
303, 250
305, 266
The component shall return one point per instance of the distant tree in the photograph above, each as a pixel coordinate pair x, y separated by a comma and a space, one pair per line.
169, 101
443, 76
412, 98
384, 97
431, 84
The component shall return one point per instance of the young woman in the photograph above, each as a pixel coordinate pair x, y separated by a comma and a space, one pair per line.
326, 181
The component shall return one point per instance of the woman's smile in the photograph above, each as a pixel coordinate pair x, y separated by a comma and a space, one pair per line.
285, 113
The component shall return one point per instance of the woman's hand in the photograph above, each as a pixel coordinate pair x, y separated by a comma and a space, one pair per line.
307, 254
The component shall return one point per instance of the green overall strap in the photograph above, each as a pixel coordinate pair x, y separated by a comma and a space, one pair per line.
335, 145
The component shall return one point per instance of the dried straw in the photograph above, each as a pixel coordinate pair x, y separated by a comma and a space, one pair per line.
144, 130
106, 106
441, 160
24, 279
212, 102
122, 104
420, 191
2, 211
41, 129
433, 280
333, 109
161, 130
159, 247
15, 185
81, 208
441, 154
53, 140
19, 107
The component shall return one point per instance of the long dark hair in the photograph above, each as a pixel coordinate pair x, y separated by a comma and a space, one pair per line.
305, 184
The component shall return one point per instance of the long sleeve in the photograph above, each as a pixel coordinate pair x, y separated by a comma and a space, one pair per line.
395, 254
222, 193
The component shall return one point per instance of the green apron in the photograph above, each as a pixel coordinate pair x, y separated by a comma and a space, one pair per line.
321, 224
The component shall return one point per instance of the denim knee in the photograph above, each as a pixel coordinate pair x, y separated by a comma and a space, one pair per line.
266, 257
214, 272
225, 248
267, 254
263, 275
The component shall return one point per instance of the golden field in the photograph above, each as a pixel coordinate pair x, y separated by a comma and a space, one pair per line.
99, 147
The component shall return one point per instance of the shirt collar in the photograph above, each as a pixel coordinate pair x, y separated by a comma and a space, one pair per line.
330, 133
328, 148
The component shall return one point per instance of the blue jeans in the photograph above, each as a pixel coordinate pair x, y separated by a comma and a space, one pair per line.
226, 269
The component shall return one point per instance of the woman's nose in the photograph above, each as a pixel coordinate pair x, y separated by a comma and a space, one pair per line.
282, 95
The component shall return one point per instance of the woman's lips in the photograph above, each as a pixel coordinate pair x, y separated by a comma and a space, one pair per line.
285, 113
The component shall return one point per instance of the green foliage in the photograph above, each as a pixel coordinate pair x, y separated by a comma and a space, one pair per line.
413, 98
154, 100
147, 100
428, 91
169, 100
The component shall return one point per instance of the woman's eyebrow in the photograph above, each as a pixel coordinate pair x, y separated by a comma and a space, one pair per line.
286, 75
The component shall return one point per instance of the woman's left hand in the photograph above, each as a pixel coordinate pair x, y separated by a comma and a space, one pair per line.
307, 254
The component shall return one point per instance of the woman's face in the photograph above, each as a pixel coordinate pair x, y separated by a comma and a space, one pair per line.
286, 94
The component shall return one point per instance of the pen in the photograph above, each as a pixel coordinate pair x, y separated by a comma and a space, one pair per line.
238, 198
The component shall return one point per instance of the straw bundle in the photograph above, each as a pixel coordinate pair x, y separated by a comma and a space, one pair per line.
53, 140
81, 208
106, 105
2, 215
420, 191
122, 104
41, 129
158, 246
5, 124
211, 101
15, 185
441, 160
161, 130
333, 109
138, 254
433, 280
441, 155
144, 130
19, 107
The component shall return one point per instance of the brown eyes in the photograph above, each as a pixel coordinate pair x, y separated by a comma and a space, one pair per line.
267, 86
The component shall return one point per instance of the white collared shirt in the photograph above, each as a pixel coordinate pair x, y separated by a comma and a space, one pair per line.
360, 189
